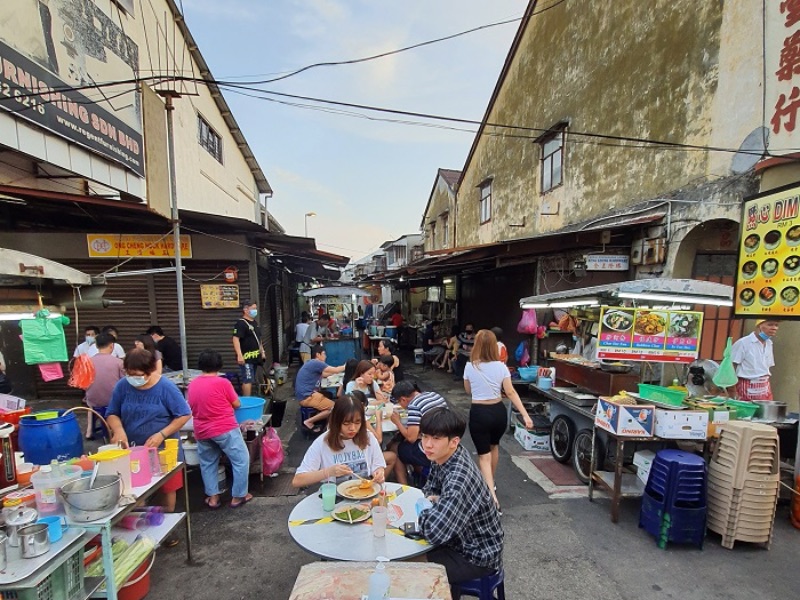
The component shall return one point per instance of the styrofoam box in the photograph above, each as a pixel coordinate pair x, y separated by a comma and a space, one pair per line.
625, 420
681, 424
532, 441
644, 458
643, 473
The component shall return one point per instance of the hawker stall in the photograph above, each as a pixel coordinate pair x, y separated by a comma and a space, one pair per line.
342, 301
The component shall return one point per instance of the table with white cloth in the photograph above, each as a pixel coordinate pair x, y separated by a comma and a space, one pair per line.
317, 532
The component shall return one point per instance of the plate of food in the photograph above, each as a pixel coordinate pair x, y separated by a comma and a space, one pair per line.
618, 320
789, 296
772, 239
747, 296
682, 325
650, 323
351, 512
358, 489
766, 296
769, 268
751, 243
793, 236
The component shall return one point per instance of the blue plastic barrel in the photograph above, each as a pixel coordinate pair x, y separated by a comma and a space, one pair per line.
43, 441
252, 408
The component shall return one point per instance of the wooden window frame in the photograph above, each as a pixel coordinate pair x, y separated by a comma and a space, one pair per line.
548, 162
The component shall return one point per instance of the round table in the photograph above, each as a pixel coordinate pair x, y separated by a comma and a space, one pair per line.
315, 531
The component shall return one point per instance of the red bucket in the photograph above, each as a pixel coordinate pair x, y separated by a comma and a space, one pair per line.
138, 585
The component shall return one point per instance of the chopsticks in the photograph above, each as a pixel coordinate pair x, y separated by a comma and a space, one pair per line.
350, 516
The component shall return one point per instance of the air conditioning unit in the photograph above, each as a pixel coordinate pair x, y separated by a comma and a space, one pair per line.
654, 251
636, 252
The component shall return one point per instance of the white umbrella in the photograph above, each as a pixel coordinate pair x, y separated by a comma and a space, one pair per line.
345, 292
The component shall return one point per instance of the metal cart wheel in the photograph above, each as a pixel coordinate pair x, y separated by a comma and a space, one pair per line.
562, 436
582, 454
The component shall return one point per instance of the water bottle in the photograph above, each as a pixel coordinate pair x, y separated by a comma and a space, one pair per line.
379, 581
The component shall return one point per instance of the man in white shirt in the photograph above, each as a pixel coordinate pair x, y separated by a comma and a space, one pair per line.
752, 358
87, 345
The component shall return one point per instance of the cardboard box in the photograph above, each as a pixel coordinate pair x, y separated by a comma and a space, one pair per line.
532, 441
644, 458
681, 424
717, 417
624, 420
643, 473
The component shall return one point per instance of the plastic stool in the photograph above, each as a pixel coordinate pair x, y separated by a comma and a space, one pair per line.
485, 587
303, 414
294, 354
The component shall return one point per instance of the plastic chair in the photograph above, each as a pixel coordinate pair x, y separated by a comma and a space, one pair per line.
489, 587
303, 414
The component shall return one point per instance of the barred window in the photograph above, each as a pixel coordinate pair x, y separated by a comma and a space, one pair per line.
209, 139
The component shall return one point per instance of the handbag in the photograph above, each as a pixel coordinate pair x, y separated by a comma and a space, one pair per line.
272, 453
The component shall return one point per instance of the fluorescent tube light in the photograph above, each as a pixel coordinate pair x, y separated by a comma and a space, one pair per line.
527, 305
676, 298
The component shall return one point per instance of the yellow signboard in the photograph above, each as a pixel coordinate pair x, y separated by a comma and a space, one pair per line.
219, 296
768, 271
115, 245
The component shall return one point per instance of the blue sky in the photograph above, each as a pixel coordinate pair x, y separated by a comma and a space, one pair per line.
368, 181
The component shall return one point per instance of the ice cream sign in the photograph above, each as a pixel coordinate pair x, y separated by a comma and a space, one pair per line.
644, 334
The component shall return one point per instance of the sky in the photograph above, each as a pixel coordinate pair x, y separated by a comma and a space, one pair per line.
367, 181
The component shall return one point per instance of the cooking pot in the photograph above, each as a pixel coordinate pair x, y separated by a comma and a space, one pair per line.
34, 539
771, 411
84, 504
16, 520
3, 551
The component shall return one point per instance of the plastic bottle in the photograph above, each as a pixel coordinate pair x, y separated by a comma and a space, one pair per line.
379, 581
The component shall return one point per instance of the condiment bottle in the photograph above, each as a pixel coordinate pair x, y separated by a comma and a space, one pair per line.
379, 581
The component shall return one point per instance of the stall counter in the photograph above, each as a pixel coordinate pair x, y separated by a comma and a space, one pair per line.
593, 379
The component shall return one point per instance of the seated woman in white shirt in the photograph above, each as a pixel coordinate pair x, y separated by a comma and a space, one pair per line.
364, 381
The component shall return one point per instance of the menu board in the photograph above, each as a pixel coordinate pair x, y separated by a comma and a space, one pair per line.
219, 296
768, 270
644, 334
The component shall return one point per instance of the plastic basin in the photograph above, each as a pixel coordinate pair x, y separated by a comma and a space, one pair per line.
528, 373
251, 409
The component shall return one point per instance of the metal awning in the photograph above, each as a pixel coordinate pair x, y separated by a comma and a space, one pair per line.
21, 268
688, 291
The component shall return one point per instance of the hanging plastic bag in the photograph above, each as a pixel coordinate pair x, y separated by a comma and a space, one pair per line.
518, 352
528, 323
526, 357
271, 452
82, 372
726, 374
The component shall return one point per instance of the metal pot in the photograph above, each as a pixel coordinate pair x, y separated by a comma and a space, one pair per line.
16, 521
35, 540
84, 504
3, 551
771, 411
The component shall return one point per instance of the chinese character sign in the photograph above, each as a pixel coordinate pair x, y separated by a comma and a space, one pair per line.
782, 68
643, 334
113, 245
768, 271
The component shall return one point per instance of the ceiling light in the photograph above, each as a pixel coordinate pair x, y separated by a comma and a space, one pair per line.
527, 305
670, 298
577, 302
447, 280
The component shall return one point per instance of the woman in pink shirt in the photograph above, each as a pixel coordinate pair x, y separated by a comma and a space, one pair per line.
212, 400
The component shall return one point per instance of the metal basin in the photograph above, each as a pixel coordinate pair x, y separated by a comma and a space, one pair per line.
83, 504
772, 411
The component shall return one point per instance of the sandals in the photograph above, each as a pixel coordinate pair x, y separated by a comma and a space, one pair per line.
242, 501
213, 505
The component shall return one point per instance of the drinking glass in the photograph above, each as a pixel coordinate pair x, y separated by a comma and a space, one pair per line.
328, 496
380, 516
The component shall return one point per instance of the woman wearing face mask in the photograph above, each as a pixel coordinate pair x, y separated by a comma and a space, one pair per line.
145, 410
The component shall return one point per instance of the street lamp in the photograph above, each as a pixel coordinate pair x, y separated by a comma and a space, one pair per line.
308, 214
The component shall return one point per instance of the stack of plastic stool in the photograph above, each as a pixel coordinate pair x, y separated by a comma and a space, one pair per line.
743, 483
674, 502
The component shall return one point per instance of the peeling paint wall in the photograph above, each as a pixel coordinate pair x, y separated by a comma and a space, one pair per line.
648, 70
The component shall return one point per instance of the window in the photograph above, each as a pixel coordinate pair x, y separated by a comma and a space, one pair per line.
445, 233
552, 160
400, 254
433, 235
486, 201
209, 139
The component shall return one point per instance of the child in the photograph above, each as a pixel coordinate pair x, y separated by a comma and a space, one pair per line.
348, 447
384, 373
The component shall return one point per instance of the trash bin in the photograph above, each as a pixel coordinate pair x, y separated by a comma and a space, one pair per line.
278, 409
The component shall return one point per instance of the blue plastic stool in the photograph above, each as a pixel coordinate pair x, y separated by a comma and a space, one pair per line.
303, 414
485, 587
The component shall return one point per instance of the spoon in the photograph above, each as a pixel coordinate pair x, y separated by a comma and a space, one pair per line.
94, 475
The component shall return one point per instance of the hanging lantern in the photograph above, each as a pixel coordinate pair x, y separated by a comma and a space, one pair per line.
231, 274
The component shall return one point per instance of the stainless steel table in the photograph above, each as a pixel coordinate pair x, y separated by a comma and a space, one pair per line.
315, 531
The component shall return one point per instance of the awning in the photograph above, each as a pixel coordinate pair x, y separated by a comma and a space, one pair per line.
688, 291
342, 292
20, 268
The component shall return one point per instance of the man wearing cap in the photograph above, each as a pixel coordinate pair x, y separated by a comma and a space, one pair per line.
247, 345
409, 451
752, 358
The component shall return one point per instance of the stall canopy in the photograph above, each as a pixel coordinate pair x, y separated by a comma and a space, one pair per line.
339, 292
686, 291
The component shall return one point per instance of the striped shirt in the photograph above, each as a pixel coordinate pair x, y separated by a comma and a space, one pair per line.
464, 517
422, 403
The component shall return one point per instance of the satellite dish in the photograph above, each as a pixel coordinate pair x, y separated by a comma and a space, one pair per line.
752, 150
701, 373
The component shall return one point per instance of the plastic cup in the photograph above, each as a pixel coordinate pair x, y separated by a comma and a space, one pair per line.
380, 515
328, 496
133, 521
171, 444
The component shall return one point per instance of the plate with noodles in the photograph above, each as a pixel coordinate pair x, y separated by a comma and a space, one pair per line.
351, 512
358, 489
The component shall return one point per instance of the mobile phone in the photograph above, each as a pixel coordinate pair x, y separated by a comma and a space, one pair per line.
411, 530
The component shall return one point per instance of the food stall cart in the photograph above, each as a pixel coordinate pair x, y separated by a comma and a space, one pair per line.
346, 346
630, 328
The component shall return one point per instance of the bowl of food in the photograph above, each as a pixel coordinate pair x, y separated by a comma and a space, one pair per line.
766, 296
772, 239
650, 323
769, 268
751, 242
618, 320
790, 295
749, 269
791, 266
793, 236
747, 296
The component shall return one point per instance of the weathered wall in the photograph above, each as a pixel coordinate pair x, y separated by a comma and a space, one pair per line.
442, 199
644, 70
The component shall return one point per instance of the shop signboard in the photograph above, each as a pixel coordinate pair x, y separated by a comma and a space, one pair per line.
607, 262
116, 245
51, 55
768, 269
219, 296
644, 334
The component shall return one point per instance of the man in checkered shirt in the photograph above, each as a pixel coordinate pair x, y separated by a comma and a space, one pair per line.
460, 517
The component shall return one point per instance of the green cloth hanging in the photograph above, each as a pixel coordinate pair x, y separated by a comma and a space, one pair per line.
43, 339
726, 375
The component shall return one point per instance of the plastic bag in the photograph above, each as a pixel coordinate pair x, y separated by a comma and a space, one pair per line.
518, 352
726, 374
528, 323
271, 452
526, 357
81, 374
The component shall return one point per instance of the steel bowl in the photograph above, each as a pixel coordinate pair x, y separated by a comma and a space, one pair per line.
84, 504
770, 411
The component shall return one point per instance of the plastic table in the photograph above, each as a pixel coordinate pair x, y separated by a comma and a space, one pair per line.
316, 532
